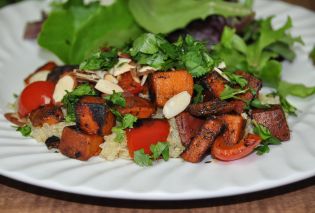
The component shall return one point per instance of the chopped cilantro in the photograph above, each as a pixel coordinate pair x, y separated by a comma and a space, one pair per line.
120, 134
236, 79
229, 92
15, 95
71, 98
100, 60
256, 103
267, 138
117, 98
126, 121
142, 159
25, 130
159, 149
198, 94
154, 50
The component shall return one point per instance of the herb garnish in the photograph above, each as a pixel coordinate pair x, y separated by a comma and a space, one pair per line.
71, 98
267, 139
236, 79
25, 130
312, 55
117, 98
256, 103
230, 92
126, 121
156, 51
161, 149
101, 60
198, 94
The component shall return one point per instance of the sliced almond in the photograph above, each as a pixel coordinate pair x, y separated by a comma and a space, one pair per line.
134, 76
110, 78
176, 104
66, 83
107, 87
144, 79
90, 76
124, 65
146, 70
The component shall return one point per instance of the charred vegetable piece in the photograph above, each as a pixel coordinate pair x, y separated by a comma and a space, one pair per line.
78, 145
235, 125
48, 114
146, 133
188, 126
93, 116
225, 151
202, 142
41, 73
215, 83
15, 119
139, 107
165, 85
274, 119
128, 84
52, 142
58, 71
213, 107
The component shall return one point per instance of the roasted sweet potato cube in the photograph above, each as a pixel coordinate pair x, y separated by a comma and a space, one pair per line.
59, 71
93, 116
137, 106
165, 85
188, 126
215, 84
274, 119
48, 114
78, 145
202, 142
213, 107
234, 131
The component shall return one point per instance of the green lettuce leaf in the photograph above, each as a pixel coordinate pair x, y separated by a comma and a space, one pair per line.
164, 16
73, 30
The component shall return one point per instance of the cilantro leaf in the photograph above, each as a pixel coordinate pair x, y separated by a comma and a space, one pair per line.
25, 130
156, 51
128, 121
236, 79
267, 138
299, 90
230, 92
120, 134
161, 148
198, 94
71, 98
117, 98
256, 103
100, 60
142, 159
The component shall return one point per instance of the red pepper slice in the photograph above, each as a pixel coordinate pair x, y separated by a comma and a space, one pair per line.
149, 132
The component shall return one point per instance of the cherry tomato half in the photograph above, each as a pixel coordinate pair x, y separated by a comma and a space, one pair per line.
129, 85
149, 132
34, 95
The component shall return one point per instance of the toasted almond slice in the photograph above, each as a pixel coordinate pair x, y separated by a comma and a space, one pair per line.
66, 83
146, 70
107, 87
90, 76
123, 65
144, 79
176, 104
110, 78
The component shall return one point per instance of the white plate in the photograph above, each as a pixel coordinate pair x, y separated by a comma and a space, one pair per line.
30, 162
